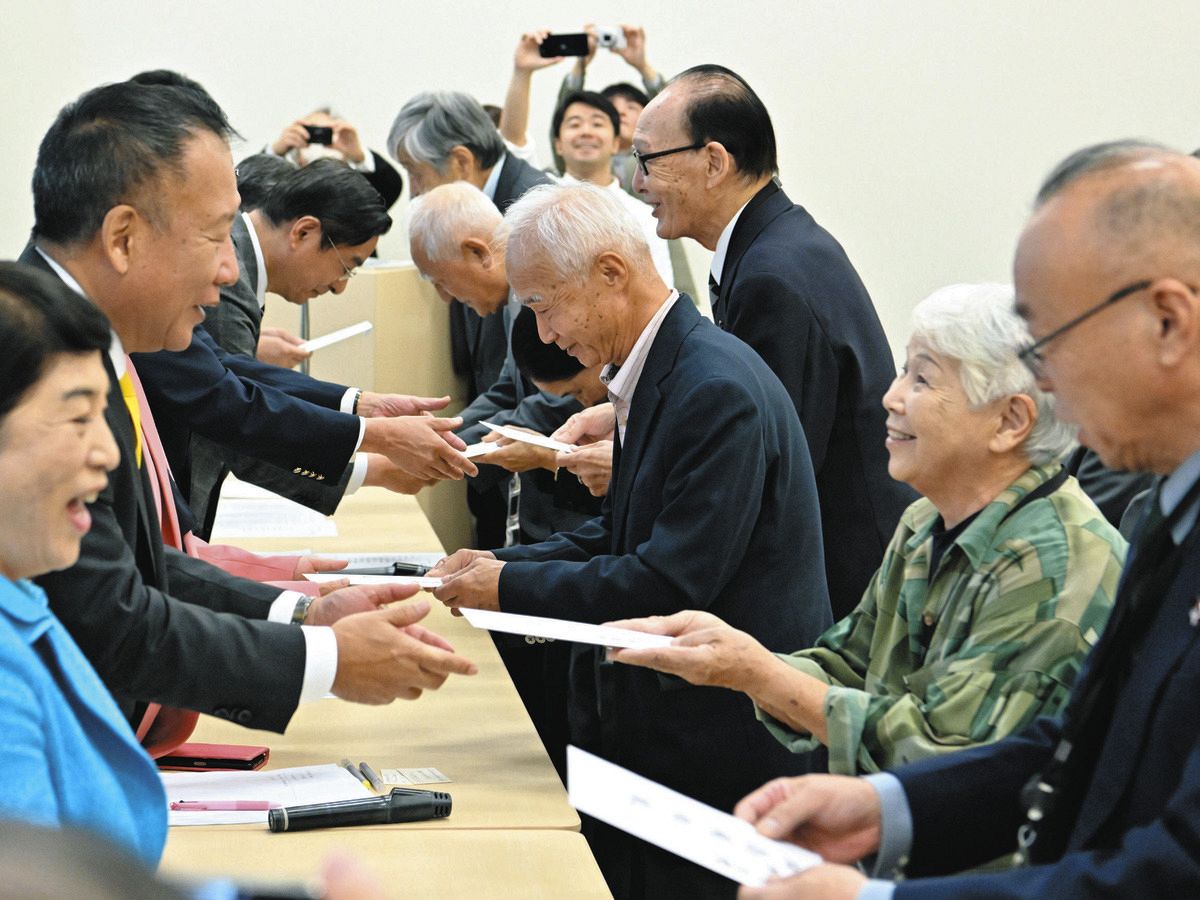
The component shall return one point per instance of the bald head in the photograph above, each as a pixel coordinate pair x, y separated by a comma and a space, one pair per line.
456, 237
1106, 274
440, 219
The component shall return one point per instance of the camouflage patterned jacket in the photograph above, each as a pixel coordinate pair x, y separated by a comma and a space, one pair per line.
927, 666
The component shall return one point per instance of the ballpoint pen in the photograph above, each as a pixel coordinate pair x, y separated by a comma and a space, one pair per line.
396, 568
354, 770
375, 780
207, 805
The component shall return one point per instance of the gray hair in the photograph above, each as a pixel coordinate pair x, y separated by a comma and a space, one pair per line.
571, 225
976, 325
439, 219
432, 124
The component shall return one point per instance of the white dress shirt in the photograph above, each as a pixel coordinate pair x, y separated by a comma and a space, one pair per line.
622, 380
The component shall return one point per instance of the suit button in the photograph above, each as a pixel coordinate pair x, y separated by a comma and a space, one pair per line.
221, 713
296, 471
928, 619
244, 716
530, 639
320, 478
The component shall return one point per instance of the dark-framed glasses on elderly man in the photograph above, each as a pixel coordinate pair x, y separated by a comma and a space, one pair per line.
1031, 354
643, 158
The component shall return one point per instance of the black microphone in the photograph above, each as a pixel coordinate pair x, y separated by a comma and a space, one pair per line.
396, 568
401, 805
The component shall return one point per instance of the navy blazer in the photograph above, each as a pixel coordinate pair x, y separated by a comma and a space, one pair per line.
790, 292
712, 506
1136, 830
274, 414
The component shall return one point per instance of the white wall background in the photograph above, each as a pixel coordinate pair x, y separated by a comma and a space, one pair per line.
915, 131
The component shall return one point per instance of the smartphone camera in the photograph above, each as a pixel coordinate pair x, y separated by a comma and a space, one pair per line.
319, 134
612, 38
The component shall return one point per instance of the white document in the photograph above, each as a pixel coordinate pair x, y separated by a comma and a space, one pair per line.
421, 581
386, 559
244, 490
269, 518
563, 629
480, 449
677, 823
287, 787
427, 775
538, 440
336, 336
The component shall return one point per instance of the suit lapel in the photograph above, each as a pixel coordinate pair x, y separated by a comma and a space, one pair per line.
766, 206
1169, 638
643, 410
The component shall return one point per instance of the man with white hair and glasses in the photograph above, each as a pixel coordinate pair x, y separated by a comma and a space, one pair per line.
712, 503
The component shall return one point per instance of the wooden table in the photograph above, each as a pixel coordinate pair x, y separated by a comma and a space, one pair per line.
512, 831
467, 864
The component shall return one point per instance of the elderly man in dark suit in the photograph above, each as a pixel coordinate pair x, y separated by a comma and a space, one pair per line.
712, 503
134, 198
1105, 801
706, 163
439, 138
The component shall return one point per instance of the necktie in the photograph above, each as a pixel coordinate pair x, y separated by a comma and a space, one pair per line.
131, 403
714, 290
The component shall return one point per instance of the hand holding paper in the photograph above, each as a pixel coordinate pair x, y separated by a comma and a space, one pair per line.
706, 651
679, 824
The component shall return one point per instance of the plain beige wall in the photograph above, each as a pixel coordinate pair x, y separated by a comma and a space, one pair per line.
915, 131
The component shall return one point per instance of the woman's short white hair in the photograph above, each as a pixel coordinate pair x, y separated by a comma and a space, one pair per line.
572, 224
440, 219
976, 325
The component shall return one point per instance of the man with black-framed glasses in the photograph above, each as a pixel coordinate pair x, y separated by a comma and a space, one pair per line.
706, 164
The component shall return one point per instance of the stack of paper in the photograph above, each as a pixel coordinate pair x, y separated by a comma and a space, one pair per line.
277, 517
286, 787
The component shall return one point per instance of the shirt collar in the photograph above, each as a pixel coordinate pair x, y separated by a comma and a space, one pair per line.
260, 283
1174, 489
489, 186
116, 350
622, 380
722, 248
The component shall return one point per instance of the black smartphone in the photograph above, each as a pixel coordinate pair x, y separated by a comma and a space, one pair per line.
564, 45
319, 134
215, 756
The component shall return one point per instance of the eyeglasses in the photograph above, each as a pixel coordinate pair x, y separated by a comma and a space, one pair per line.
349, 272
643, 158
1031, 354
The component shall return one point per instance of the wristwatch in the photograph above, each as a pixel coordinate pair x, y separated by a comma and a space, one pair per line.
301, 609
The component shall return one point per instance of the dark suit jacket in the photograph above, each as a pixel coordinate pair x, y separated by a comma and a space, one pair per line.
272, 414
712, 506
789, 291
235, 326
385, 179
160, 626
1134, 833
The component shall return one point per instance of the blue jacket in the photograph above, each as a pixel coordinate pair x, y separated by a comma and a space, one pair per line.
69, 757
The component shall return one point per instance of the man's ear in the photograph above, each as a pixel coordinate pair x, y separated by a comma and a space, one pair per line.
121, 235
1018, 415
304, 230
612, 268
461, 163
1177, 309
719, 164
478, 251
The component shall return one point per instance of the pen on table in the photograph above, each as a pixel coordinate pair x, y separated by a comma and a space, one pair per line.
375, 780
206, 805
354, 770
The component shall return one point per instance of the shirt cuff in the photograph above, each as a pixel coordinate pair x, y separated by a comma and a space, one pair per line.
895, 826
359, 473
876, 890
283, 606
348, 398
320, 662
367, 166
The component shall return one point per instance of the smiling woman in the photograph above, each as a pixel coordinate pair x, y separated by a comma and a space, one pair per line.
57, 717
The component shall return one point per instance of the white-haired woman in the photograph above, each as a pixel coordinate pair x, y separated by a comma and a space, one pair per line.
992, 590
